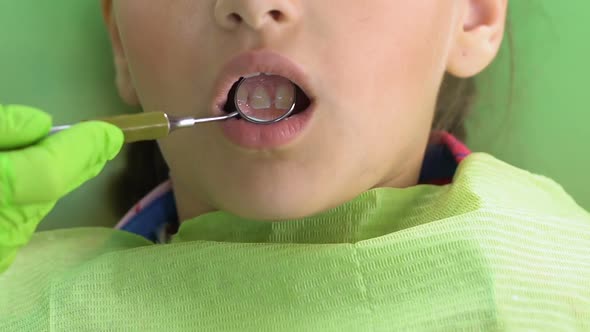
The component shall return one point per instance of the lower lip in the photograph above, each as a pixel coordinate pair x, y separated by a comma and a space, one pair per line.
266, 136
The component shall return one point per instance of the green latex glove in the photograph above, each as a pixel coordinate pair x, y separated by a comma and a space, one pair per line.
36, 170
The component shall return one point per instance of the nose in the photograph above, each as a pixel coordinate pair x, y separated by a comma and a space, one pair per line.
256, 14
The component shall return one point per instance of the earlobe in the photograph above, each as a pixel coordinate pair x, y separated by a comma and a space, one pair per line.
479, 36
123, 76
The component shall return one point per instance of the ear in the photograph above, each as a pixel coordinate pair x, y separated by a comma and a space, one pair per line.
479, 37
123, 75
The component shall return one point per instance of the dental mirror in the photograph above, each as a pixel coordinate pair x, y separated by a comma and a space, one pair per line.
260, 99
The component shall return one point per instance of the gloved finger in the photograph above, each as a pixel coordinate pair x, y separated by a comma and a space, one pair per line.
58, 164
22, 126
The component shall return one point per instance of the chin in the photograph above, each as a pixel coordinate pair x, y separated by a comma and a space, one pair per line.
274, 206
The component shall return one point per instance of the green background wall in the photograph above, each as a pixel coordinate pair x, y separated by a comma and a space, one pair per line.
542, 124
55, 56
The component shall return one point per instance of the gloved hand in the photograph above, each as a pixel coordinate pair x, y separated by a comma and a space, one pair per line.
36, 171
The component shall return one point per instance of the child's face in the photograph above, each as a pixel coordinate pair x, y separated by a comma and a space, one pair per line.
373, 68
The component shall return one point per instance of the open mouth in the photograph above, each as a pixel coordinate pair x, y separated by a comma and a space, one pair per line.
274, 97
266, 96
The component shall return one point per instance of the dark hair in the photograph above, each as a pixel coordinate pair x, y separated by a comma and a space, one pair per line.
454, 105
145, 169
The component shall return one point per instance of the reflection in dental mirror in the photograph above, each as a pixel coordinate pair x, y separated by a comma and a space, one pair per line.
265, 98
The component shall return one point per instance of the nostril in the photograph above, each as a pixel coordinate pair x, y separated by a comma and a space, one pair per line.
235, 18
252, 18
276, 15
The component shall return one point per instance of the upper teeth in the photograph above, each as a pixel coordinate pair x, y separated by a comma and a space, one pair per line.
256, 91
256, 75
252, 75
285, 96
260, 98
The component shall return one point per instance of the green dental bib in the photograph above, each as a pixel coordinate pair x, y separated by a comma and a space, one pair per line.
500, 249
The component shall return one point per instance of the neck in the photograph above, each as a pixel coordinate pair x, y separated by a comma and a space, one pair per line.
189, 204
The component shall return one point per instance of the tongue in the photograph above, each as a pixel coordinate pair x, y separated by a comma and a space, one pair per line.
265, 97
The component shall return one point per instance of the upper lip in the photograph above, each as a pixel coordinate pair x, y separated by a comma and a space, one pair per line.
252, 62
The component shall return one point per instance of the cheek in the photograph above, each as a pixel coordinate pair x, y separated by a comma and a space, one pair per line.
161, 41
383, 70
388, 53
